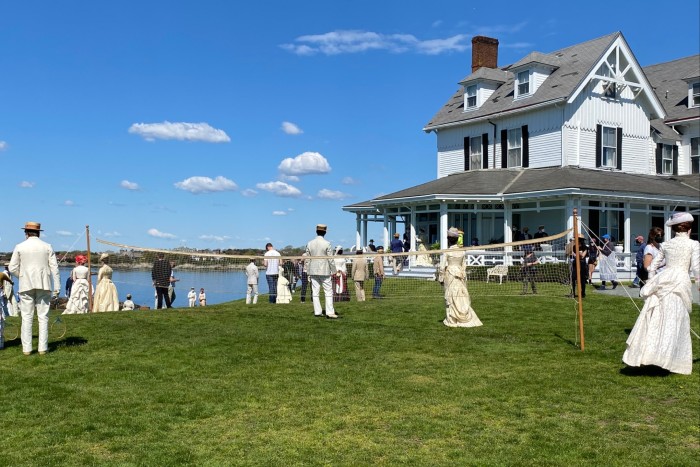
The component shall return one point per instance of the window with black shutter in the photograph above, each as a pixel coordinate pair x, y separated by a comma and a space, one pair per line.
466, 153
485, 151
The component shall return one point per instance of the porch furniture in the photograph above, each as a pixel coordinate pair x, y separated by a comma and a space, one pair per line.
501, 271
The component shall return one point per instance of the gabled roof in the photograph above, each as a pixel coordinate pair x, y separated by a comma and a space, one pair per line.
488, 74
664, 131
537, 57
512, 183
575, 63
670, 77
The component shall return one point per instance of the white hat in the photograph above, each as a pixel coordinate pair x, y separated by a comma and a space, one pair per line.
453, 232
679, 218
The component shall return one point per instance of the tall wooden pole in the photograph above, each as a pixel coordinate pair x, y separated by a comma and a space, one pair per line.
577, 267
87, 235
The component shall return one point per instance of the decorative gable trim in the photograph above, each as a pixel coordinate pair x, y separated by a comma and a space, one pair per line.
620, 69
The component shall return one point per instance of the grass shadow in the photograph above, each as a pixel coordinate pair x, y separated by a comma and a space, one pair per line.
71, 341
647, 370
568, 341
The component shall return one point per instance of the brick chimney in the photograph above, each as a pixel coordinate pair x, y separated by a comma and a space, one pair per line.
484, 52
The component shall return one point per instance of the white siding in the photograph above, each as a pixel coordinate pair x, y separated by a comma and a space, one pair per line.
544, 128
451, 147
450, 162
691, 130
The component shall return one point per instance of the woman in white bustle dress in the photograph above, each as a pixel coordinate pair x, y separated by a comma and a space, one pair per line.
105, 298
459, 312
424, 258
661, 335
284, 295
78, 302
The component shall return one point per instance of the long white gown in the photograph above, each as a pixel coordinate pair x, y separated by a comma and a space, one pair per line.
459, 311
105, 298
283, 293
607, 265
78, 301
661, 335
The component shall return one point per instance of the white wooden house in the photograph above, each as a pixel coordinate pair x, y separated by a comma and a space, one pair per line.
583, 127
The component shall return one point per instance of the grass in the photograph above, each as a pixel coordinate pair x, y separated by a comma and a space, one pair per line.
387, 384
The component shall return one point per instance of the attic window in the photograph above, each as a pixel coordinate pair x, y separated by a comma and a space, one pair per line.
696, 95
471, 96
523, 83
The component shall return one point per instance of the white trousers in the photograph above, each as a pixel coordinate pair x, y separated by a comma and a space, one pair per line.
316, 283
41, 300
251, 291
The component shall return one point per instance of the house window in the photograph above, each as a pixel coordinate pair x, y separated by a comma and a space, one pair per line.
515, 147
523, 83
667, 160
475, 153
696, 95
471, 97
694, 155
609, 147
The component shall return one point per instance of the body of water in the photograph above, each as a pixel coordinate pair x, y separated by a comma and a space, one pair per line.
219, 286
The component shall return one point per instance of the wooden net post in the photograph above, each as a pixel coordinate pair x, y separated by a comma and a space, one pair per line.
577, 267
87, 235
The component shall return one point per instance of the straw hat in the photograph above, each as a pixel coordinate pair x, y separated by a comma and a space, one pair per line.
322, 227
35, 226
679, 218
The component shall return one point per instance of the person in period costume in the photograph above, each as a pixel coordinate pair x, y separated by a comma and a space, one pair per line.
105, 298
582, 264
340, 278
5, 302
359, 273
592, 259
79, 300
272, 263
320, 270
34, 263
459, 312
191, 297
9, 299
607, 262
252, 274
424, 258
641, 275
652, 248
371, 246
528, 268
160, 274
304, 274
4, 277
378, 265
396, 246
128, 304
284, 294
661, 334
202, 297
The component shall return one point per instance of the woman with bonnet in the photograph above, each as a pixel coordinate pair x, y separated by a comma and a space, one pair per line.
459, 312
661, 335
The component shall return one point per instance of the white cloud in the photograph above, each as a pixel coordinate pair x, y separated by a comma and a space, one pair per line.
112, 234
279, 213
158, 234
249, 193
181, 131
68, 203
291, 128
198, 185
355, 41
349, 181
126, 184
214, 238
3, 145
289, 178
304, 164
280, 189
26, 184
331, 194
64, 233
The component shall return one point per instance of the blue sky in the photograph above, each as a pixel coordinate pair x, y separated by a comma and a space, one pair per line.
217, 124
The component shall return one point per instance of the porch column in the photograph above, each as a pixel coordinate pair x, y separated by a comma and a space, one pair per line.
358, 229
385, 240
508, 232
412, 259
443, 226
365, 221
569, 214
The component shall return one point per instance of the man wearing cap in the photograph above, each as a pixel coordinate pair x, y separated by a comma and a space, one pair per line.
320, 270
639, 258
34, 262
396, 246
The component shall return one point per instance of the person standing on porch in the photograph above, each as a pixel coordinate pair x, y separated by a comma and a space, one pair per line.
396, 246
608, 263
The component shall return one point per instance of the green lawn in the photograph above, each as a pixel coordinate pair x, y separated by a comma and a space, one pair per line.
387, 384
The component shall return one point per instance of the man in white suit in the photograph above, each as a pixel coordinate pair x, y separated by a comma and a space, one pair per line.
34, 262
252, 273
320, 270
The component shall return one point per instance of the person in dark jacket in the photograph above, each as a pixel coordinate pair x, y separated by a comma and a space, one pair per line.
639, 259
161, 280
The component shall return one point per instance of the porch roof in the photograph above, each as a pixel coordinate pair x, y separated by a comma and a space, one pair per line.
544, 182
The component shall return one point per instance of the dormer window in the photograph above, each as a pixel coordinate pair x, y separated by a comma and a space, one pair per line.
609, 147
523, 83
695, 98
471, 96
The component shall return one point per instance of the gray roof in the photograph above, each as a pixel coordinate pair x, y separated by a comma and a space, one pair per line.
516, 181
537, 57
663, 130
669, 76
488, 74
575, 63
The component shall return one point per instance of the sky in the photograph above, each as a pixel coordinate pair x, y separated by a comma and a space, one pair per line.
220, 124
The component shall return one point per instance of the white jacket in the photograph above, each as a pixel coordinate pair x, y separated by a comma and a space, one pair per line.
34, 262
